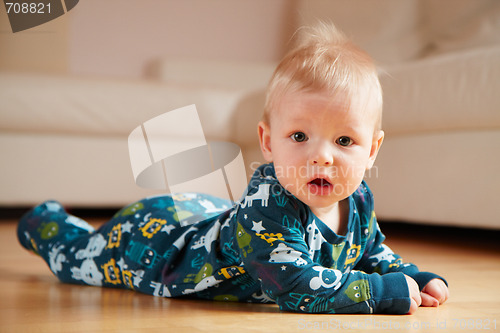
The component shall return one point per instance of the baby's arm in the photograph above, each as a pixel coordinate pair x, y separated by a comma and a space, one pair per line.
280, 260
425, 288
274, 251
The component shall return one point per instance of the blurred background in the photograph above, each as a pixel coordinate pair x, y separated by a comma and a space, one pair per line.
72, 89
121, 39
114, 38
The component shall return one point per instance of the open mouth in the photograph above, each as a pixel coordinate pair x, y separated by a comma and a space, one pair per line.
320, 182
320, 186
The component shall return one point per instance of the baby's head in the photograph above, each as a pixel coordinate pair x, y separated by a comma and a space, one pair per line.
324, 60
322, 120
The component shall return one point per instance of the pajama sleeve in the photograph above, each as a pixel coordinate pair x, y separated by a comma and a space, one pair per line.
274, 251
379, 258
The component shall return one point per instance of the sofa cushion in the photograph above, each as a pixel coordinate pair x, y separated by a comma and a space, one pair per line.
445, 178
444, 93
77, 106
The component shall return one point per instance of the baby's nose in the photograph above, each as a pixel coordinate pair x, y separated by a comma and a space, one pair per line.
322, 156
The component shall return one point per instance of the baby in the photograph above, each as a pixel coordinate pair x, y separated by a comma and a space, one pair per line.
304, 236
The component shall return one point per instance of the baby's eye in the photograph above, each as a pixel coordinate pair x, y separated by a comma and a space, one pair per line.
344, 141
299, 137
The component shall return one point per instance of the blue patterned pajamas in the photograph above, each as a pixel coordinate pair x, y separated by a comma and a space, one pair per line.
269, 247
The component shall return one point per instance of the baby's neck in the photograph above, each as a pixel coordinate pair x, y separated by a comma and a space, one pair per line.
335, 216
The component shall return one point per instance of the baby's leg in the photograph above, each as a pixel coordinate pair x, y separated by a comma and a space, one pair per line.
130, 251
61, 239
126, 252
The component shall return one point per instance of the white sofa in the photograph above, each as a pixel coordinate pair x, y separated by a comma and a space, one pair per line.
66, 137
440, 65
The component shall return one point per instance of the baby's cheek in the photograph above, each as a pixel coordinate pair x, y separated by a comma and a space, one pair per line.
352, 177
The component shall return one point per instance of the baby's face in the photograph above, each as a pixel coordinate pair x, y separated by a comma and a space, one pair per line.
320, 146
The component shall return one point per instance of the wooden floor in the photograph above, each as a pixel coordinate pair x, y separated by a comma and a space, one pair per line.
32, 300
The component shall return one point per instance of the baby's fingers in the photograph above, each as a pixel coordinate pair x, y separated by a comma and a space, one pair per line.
438, 290
428, 300
413, 306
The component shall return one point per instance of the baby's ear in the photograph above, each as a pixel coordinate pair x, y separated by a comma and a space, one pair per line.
265, 140
378, 138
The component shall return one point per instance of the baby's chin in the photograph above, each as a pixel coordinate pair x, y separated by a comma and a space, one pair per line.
322, 202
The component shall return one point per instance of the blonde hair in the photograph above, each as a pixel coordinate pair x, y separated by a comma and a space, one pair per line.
325, 60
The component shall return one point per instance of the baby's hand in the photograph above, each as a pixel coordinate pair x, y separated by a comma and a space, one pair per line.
435, 293
415, 297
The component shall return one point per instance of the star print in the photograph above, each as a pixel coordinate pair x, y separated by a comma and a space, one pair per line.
167, 228
245, 216
257, 227
121, 264
225, 224
283, 268
127, 227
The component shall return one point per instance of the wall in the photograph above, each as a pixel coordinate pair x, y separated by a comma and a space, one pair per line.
41, 49
117, 38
